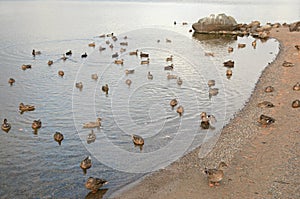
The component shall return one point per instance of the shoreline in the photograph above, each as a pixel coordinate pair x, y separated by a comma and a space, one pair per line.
259, 159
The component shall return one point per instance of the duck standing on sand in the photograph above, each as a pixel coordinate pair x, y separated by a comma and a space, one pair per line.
5, 126
214, 176
105, 89
86, 164
296, 103
24, 108
296, 87
265, 120
269, 89
93, 124
265, 104
36, 124
58, 137
287, 64
94, 184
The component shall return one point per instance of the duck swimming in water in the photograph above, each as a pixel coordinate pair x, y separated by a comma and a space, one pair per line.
214, 176
24, 108
207, 120
229, 64
58, 137
36, 124
94, 76
150, 76
179, 81
173, 103
128, 82
94, 184
211, 83
105, 89
86, 164
35, 52
95, 124
26, 66
138, 141
5, 125
11, 81
180, 110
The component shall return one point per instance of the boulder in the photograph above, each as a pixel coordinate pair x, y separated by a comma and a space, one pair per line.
295, 26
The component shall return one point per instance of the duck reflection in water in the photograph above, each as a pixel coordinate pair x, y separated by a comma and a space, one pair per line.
97, 195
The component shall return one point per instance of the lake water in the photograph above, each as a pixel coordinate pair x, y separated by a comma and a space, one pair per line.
33, 165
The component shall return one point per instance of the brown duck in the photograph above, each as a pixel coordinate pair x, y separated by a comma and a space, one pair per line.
94, 184
214, 176
296, 104
58, 137
265, 104
86, 164
265, 120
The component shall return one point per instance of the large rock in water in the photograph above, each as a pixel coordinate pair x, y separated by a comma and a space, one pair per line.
220, 22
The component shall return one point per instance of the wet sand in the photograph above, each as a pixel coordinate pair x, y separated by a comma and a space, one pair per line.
263, 162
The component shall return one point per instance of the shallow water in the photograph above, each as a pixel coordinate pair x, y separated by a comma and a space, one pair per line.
33, 165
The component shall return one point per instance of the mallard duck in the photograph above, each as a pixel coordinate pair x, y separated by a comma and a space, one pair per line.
180, 110
61, 73
101, 48
254, 44
24, 108
209, 54
129, 71
114, 38
110, 34
147, 61
86, 164
94, 184
214, 176
94, 76
128, 82
91, 137
58, 137
265, 104
179, 81
269, 89
211, 83
168, 40
213, 91
228, 73
173, 103
206, 120
230, 49
92, 44
35, 52
64, 58
169, 58
241, 45
119, 61
69, 53
205, 124
229, 64
105, 89
122, 50
297, 47
134, 52
84, 55
150, 76
170, 67
115, 55
111, 46
5, 126
107, 42
11, 81
26, 66
36, 124
170, 76
79, 85
287, 64
95, 124
137, 140
50, 62
296, 104
124, 43
265, 120
296, 87
145, 55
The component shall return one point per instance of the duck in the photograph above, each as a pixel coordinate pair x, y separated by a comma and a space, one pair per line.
228, 73
101, 48
144, 55
138, 140
213, 91
184, 23
169, 58
115, 55
36, 124
269, 89
124, 43
69, 53
102, 35
170, 76
265, 104
61, 73
119, 61
64, 58
94, 184
134, 52
179, 81
173, 103
84, 55
296, 87
5, 126
105, 89
95, 124
128, 82
91, 137
79, 85
168, 40
114, 38
180, 110
92, 44
86, 164
214, 176
94, 76
229, 64
110, 34
107, 42
127, 71
265, 120
206, 120
241, 45
205, 124
26, 66
24, 108
35, 52
254, 44
297, 47
58, 137
122, 50
287, 64
150, 76
211, 83
111, 46
170, 67
50, 62
296, 103
209, 54
11, 81
230, 49
145, 61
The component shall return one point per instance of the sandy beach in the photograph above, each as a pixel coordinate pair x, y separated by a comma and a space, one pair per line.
263, 162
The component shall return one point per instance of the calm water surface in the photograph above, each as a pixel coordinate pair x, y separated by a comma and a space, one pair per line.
34, 166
